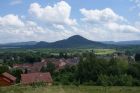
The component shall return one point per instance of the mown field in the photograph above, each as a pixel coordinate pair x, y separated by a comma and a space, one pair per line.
69, 89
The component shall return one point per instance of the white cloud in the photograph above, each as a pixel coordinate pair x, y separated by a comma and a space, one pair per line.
13, 29
61, 27
102, 32
105, 15
107, 19
57, 14
15, 2
53, 23
124, 28
31, 31
136, 5
11, 20
136, 2
139, 14
137, 24
105, 24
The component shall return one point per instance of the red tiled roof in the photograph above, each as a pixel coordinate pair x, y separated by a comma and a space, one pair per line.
36, 77
9, 76
37, 66
22, 65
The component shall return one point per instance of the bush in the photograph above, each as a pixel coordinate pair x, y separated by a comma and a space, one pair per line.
38, 84
136, 82
4, 69
125, 80
89, 83
17, 73
121, 80
103, 80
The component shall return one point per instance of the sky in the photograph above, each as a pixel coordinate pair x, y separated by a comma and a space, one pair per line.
52, 20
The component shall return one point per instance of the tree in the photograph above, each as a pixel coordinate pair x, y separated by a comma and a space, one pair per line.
4, 69
134, 70
49, 68
137, 57
117, 66
17, 73
90, 67
103, 80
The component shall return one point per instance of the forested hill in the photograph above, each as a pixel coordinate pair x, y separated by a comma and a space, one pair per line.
75, 41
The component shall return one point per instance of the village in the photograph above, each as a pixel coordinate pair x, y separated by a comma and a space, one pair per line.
33, 72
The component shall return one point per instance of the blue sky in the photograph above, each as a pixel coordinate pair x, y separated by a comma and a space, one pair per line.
51, 20
122, 7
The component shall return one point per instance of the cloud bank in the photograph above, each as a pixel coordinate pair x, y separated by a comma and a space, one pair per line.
52, 23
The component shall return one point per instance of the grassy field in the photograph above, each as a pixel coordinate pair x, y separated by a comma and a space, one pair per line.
104, 51
69, 89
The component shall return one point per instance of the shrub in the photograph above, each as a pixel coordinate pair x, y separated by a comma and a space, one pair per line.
103, 80
38, 84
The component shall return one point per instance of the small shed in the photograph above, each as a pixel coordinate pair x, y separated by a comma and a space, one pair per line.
7, 79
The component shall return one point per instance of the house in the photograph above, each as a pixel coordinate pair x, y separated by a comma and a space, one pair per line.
26, 67
37, 67
61, 63
30, 68
7, 79
36, 77
72, 61
119, 54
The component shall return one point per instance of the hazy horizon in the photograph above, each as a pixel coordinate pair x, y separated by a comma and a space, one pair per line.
69, 37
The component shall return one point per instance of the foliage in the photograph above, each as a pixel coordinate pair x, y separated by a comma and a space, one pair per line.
49, 68
17, 73
69, 89
38, 84
137, 57
3, 69
121, 80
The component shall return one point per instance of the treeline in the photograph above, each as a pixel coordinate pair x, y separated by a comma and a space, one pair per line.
94, 71
10, 58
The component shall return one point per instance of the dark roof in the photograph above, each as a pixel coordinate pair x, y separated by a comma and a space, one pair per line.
36, 77
9, 76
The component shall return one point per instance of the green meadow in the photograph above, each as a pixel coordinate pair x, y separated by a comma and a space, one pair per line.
69, 89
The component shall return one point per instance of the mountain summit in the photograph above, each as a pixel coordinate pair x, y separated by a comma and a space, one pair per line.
71, 42
75, 41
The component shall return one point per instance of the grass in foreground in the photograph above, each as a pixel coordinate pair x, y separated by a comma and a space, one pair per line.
69, 89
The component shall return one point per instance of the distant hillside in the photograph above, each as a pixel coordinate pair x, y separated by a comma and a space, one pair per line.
75, 41
20, 43
133, 42
72, 42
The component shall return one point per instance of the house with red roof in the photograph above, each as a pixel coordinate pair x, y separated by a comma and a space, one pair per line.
61, 63
7, 79
36, 77
30, 68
